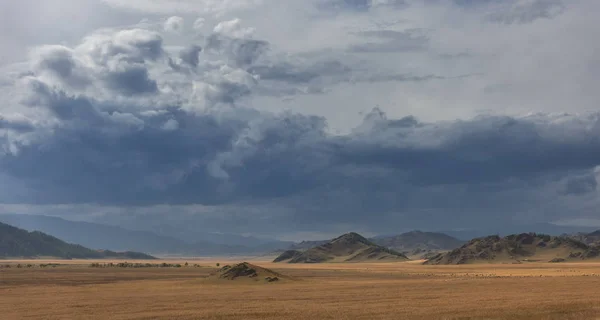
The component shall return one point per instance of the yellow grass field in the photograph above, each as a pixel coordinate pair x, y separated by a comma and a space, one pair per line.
404, 290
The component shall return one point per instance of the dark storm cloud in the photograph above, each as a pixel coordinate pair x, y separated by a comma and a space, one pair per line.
487, 149
125, 158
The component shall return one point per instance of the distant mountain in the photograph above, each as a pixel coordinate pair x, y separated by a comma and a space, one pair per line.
517, 248
305, 245
418, 240
101, 236
350, 247
17, 243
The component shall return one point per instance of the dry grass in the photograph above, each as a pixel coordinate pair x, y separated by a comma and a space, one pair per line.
327, 291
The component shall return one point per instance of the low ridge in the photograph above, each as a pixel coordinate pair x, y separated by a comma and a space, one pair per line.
517, 248
349, 247
19, 243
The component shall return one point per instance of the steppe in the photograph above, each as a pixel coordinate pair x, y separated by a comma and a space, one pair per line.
392, 290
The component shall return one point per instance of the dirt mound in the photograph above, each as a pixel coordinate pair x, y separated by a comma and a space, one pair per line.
524, 247
350, 247
248, 272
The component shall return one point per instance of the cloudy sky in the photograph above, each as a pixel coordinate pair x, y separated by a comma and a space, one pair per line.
301, 118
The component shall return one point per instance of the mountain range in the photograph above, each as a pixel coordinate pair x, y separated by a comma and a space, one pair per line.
416, 244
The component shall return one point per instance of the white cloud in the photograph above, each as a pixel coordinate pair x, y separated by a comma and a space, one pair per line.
233, 28
199, 23
174, 24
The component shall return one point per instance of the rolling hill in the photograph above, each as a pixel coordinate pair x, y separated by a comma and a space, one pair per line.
19, 243
517, 248
350, 247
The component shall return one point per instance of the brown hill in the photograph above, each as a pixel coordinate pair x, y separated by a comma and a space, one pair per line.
248, 272
350, 247
517, 248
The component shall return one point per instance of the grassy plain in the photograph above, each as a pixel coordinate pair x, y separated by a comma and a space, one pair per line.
404, 290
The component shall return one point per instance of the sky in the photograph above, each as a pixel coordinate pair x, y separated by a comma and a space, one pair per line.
300, 119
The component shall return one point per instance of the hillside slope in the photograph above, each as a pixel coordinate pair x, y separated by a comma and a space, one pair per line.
517, 248
419, 240
17, 243
350, 247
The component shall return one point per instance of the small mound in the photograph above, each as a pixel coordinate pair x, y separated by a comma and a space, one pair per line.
248, 272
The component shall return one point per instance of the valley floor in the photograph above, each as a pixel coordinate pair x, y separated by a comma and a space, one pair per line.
325, 291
